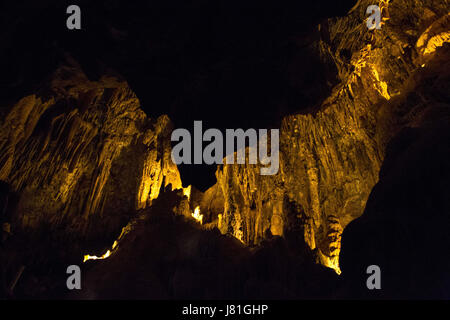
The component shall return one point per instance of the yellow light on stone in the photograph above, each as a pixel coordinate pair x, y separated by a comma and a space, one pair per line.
197, 216
187, 192
89, 257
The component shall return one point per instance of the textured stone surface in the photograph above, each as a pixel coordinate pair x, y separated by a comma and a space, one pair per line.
67, 149
404, 227
86, 161
330, 159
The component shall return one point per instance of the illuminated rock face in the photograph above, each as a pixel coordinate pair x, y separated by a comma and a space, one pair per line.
330, 159
83, 155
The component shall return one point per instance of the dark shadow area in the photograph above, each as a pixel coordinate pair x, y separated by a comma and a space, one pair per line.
405, 227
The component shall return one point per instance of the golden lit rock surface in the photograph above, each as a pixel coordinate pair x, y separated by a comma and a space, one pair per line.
86, 161
67, 149
330, 159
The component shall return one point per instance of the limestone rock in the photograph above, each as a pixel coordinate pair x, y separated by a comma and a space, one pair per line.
330, 159
83, 155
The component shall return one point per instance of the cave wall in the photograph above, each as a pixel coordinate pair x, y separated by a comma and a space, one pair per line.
331, 157
66, 150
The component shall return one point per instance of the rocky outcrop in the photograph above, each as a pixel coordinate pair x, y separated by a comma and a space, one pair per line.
330, 158
86, 161
83, 155
161, 255
404, 227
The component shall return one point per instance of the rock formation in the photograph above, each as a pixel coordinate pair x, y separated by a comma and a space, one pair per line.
88, 171
67, 148
330, 158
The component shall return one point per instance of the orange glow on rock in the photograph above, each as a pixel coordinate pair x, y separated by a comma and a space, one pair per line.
197, 216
